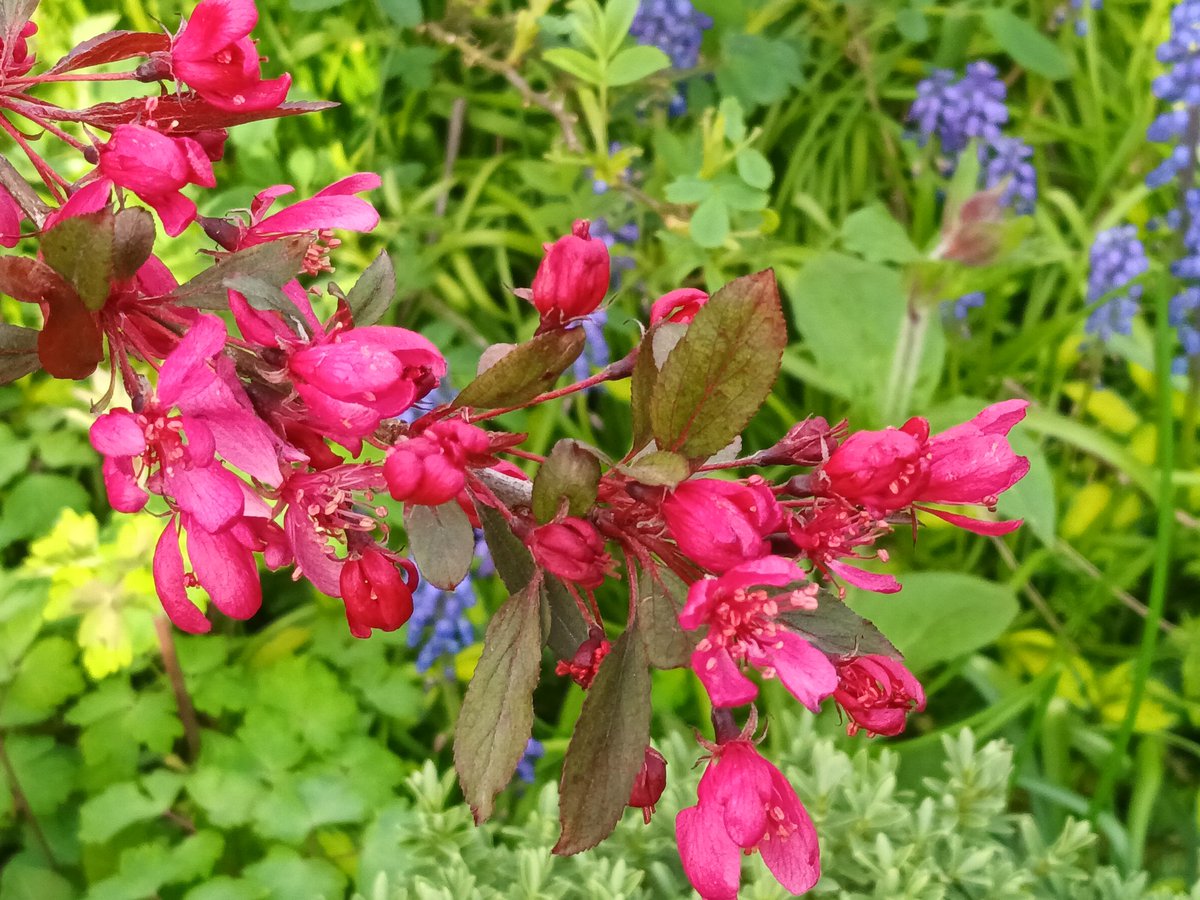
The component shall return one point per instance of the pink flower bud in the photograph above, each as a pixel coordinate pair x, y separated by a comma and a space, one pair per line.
680, 305
430, 469
582, 667
573, 276
573, 550
807, 443
883, 471
376, 593
722, 524
649, 784
156, 167
877, 694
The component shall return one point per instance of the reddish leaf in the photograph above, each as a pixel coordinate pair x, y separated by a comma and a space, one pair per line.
441, 541
525, 371
110, 47
186, 113
80, 249
659, 601
18, 352
13, 16
70, 344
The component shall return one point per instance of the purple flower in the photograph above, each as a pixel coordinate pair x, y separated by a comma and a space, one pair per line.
955, 112
533, 752
1006, 160
1117, 258
595, 354
1184, 314
936, 96
673, 26
964, 304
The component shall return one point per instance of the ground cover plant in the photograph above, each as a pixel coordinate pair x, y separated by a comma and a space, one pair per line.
586, 387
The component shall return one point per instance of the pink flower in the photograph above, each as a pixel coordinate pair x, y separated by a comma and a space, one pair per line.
582, 667
680, 305
745, 804
156, 167
572, 278
377, 590
807, 443
431, 468
883, 471
572, 550
742, 628
720, 524
649, 784
213, 54
11, 216
877, 694
831, 532
17, 58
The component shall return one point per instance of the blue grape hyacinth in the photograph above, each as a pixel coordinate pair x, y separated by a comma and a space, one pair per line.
533, 752
1117, 258
439, 625
956, 112
677, 29
1184, 315
1008, 160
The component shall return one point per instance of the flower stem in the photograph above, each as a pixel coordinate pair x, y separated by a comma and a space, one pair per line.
183, 699
906, 362
1103, 794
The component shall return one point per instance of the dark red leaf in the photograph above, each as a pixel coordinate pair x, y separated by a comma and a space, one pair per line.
18, 352
185, 114
70, 344
110, 47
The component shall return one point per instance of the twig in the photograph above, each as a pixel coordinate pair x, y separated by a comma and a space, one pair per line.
473, 56
1034, 595
183, 700
31, 204
21, 802
458, 114
1086, 565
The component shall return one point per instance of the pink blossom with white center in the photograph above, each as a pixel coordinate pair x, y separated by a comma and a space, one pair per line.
743, 628
745, 805
832, 532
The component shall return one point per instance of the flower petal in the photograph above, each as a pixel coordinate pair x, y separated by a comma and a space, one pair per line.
794, 860
118, 433
226, 570
978, 526
169, 584
726, 684
711, 861
804, 670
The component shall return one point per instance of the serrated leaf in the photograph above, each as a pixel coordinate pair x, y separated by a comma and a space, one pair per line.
497, 713
641, 389
513, 561
836, 629
566, 628
69, 344
722, 370
1026, 44
111, 47
442, 542
661, 468
133, 240
659, 601
80, 249
275, 263
525, 371
374, 291
608, 747
574, 63
570, 472
18, 352
635, 63
265, 296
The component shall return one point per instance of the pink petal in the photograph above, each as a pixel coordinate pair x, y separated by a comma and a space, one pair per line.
198, 162
978, 526
316, 213
352, 184
711, 861
804, 670
257, 326
263, 199
176, 211
868, 581
724, 681
311, 552
699, 601
741, 787
124, 493
999, 418
214, 25
251, 95
210, 495
769, 570
90, 198
10, 220
795, 861
118, 434
186, 370
169, 584
226, 570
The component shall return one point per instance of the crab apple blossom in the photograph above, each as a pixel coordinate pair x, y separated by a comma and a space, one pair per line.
883, 471
214, 55
877, 693
745, 805
679, 305
828, 533
742, 627
17, 58
156, 167
377, 588
11, 217
582, 667
720, 524
431, 468
573, 550
572, 278
649, 784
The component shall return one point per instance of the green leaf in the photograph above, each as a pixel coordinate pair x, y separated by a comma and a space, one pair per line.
660, 599
442, 542
709, 225
1027, 45
834, 628
939, 615
286, 875
525, 371
721, 371
607, 748
635, 63
754, 169
574, 63
133, 240
80, 249
47, 677
661, 468
18, 352
372, 294
405, 13
46, 771
873, 234
24, 877
570, 472
105, 814
912, 24
568, 629
757, 70
15, 457
513, 560
34, 502
497, 713
618, 17
275, 263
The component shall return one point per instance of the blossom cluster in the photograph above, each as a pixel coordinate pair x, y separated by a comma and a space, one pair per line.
272, 443
675, 27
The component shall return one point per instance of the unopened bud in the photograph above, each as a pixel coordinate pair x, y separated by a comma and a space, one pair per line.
573, 550
156, 68
572, 278
807, 443
650, 783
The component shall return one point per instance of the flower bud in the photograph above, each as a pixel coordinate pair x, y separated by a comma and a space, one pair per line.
721, 524
430, 469
680, 305
573, 276
572, 550
883, 471
375, 592
650, 783
877, 694
807, 443
583, 666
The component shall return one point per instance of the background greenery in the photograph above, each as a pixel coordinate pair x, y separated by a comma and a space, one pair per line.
316, 772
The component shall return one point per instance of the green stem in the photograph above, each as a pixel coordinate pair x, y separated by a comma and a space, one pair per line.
906, 362
1103, 795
